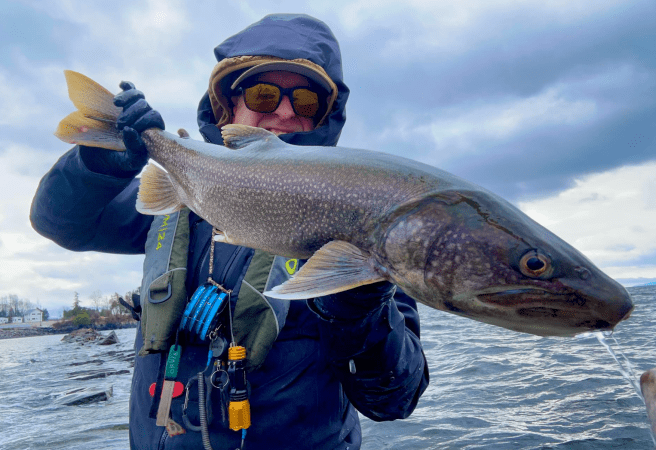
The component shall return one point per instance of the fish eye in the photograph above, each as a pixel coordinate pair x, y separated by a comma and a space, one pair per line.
535, 265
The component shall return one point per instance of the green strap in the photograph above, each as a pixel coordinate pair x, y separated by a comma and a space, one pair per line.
172, 362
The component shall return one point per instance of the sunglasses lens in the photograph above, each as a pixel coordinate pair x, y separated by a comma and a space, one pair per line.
265, 98
306, 102
262, 98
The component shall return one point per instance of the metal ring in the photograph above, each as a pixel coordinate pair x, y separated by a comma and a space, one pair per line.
213, 377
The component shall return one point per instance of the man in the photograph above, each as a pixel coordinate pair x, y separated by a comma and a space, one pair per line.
328, 356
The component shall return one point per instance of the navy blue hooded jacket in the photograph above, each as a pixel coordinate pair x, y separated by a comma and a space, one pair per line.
305, 394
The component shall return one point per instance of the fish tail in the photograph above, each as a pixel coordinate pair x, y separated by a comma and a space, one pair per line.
94, 122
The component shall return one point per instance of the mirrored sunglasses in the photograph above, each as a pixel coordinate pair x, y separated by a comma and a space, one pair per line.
264, 97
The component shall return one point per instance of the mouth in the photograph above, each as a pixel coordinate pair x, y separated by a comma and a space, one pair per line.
509, 296
278, 131
562, 310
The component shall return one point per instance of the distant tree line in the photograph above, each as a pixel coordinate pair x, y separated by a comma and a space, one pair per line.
13, 306
105, 309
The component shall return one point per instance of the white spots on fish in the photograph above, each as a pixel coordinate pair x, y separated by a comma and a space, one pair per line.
284, 200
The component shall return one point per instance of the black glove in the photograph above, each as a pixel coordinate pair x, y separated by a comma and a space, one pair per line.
136, 117
355, 304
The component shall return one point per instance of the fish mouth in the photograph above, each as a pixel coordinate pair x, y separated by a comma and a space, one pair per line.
562, 313
510, 296
531, 301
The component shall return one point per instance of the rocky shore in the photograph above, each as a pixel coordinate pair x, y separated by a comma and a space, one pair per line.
94, 368
20, 332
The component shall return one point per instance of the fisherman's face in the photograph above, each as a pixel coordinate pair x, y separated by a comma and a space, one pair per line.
282, 120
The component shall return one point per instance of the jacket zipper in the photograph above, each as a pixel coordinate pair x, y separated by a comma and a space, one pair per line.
163, 439
229, 265
201, 261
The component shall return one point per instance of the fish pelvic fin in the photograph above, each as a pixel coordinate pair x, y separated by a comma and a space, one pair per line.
335, 267
157, 194
237, 136
94, 122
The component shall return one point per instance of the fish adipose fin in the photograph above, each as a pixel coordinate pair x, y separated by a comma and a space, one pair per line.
157, 195
237, 136
94, 123
335, 267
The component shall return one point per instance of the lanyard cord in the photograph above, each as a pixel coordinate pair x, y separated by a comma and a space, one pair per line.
241, 413
215, 233
201, 375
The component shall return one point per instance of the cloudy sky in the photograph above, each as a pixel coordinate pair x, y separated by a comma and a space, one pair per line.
550, 104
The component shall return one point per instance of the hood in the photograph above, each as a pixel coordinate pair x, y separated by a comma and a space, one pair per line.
296, 37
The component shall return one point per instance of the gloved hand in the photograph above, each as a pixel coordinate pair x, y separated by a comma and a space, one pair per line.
355, 304
136, 117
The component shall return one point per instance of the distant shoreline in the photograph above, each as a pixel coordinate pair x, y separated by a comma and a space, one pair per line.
27, 331
20, 332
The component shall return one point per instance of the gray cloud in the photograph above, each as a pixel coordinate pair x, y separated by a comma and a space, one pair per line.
607, 61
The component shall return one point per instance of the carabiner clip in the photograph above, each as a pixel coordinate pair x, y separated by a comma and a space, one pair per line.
208, 403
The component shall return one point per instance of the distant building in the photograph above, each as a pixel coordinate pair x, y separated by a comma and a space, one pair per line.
17, 319
33, 315
4, 320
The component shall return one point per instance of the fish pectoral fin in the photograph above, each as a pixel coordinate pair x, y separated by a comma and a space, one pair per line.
335, 267
236, 136
157, 195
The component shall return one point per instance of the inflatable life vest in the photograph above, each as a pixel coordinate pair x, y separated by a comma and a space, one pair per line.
256, 319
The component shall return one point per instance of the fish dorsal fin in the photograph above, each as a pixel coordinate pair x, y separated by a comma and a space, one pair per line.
157, 195
335, 267
237, 136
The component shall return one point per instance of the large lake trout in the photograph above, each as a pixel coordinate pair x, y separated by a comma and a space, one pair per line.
363, 216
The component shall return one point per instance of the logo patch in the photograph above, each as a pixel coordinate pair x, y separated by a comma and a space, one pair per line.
291, 266
161, 233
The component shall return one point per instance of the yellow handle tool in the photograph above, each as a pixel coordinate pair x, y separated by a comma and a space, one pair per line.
239, 409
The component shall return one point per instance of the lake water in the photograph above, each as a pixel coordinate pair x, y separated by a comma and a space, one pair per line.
490, 389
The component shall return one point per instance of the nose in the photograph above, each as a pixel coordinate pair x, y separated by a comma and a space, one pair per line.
285, 110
